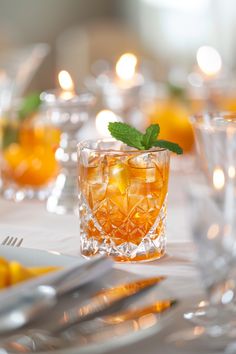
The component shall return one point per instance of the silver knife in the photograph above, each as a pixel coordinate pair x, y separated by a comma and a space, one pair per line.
103, 303
107, 302
32, 300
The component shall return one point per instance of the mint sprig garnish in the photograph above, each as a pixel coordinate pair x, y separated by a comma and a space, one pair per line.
150, 136
134, 138
168, 145
127, 134
29, 105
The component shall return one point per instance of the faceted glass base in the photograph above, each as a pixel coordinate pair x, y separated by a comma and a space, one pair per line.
150, 247
11, 191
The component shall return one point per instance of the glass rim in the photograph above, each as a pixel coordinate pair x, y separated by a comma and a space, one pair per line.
84, 144
205, 120
54, 97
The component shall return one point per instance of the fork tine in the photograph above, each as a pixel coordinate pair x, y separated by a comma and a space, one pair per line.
18, 244
4, 242
14, 241
10, 241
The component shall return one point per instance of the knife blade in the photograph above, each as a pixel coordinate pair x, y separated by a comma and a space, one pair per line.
107, 302
101, 304
30, 302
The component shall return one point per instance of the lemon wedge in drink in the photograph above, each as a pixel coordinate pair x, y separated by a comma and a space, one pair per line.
119, 176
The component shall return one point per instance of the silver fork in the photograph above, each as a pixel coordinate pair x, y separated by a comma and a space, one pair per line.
12, 241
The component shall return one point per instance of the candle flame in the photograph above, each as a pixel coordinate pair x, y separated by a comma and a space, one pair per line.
209, 60
213, 231
218, 178
231, 172
198, 330
126, 66
65, 81
102, 120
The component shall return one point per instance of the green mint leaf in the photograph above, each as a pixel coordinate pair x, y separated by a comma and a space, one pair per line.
150, 136
168, 145
176, 91
132, 137
29, 105
10, 135
127, 134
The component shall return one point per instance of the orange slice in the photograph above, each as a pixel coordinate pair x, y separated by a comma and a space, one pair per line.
36, 271
18, 273
4, 279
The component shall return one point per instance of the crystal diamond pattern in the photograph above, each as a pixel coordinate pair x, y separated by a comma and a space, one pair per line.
128, 237
123, 203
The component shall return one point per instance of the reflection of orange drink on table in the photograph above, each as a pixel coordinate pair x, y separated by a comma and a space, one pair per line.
123, 200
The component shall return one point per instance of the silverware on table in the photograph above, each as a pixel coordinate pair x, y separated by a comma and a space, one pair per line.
137, 318
104, 303
34, 298
12, 241
107, 302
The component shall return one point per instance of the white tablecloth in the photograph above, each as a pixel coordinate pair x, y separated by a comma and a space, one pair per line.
40, 229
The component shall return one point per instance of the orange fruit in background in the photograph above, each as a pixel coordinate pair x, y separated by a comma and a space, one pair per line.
34, 167
228, 104
32, 134
196, 106
31, 161
173, 118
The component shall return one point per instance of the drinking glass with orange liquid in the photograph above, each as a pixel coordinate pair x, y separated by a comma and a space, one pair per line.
28, 163
122, 200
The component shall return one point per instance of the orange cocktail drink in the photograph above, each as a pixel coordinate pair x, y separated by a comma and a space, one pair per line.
122, 200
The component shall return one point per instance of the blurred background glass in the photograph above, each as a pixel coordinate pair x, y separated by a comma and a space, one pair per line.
165, 32
182, 59
29, 142
165, 36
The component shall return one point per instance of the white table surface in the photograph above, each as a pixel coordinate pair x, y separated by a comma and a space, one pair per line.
43, 230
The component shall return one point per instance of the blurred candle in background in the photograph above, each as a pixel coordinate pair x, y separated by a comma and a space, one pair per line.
66, 84
126, 66
126, 74
209, 62
102, 120
218, 178
231, 172
210, 65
